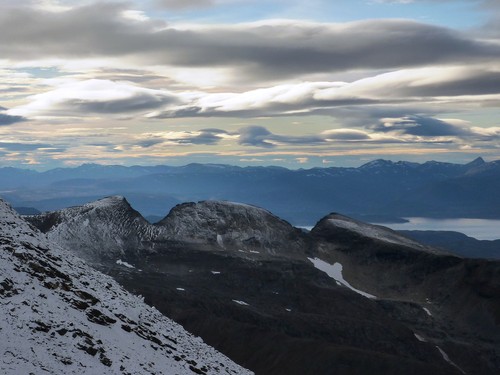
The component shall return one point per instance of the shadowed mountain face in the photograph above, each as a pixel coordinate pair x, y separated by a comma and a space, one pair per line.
346, 298
379, 189
60, 316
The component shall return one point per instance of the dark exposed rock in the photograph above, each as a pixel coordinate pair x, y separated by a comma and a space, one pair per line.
7, 288
98, 317
42, 327
249, 290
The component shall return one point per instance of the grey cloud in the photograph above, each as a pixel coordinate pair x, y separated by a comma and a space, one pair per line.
136, 103
22, 147
201, 137
9, 120
472, 82
204, 138
269, 109
255, 136
259, 50
184, 4
97, 97
423, 126
261, 137
150, 142
346, 135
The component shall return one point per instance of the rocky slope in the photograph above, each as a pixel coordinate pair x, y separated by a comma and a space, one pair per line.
60, 316
111, 229
460, 296
233, 226
348, 297
105, 229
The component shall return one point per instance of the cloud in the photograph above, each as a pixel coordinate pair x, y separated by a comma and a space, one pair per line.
424, 126
184, 4
260, 50
24, 147
8, 119
345, 135
406, 87
261, 137
394, 92
255, 136
94, 96
288, 99
200, 137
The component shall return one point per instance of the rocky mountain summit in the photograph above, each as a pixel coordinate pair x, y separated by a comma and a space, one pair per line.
110, 229
230, 226
60, 316
347, 297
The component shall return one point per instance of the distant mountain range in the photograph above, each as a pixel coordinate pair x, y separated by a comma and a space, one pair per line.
379, 190
457, 243
345, 298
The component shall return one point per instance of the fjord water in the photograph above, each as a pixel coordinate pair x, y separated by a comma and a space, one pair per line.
481, 229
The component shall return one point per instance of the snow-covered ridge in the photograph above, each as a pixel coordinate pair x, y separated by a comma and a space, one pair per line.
111, 229
60, 316
107, 228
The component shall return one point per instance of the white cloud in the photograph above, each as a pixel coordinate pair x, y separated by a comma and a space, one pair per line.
92, 97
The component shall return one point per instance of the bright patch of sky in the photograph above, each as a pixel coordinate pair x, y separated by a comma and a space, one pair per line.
456, 14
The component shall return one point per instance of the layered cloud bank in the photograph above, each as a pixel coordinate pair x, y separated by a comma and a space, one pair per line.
128, 84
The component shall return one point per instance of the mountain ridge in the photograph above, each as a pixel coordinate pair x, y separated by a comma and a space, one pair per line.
382, 187
61, 316
313, 297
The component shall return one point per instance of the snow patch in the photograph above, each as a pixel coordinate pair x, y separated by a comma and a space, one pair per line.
220, 240
180, 289
447, 359
419, 338
240, 302
125, 264
427, 311
215, 272
335, 272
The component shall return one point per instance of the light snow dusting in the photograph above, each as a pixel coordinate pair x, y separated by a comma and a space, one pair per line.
335, 272
59, 316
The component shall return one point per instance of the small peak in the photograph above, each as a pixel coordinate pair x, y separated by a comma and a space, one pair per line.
109, 201
476, 162
377, 164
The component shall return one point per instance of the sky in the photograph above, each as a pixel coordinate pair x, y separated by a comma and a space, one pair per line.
298, 84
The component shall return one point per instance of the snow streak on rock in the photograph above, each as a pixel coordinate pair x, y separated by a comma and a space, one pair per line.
447, 359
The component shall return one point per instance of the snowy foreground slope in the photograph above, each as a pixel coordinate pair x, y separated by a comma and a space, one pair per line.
59, 316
